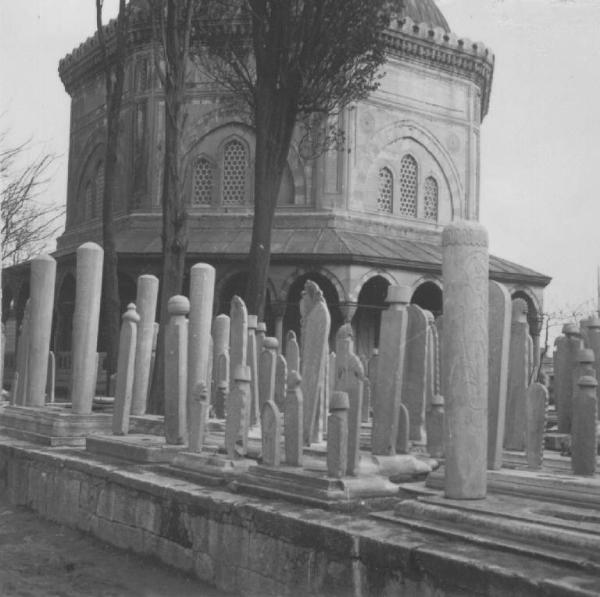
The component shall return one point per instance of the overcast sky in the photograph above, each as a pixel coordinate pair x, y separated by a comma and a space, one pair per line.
540, 168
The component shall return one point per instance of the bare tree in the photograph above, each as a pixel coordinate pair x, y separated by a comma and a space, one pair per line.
288, 61
27, 223
114, 75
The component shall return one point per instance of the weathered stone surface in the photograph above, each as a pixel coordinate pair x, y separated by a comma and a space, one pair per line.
584, 442
125, 371
238, 337
403, 436
316, 323
252, 361
585, 367
349, 376
337, 438
465, 269
266, 372
19, 386
236, 421
271, 433
88, 292
390, 372
537, 400
293, 421
565, 361
146, 299
281, 376
415, 369
518, 375
435, 428
292, 352
43, 274
176, 364
499, 342
222, 384
198, 417
220, 336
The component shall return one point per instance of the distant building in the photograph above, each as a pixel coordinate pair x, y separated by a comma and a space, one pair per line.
354, 220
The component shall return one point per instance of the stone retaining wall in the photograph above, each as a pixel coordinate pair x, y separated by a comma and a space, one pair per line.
244, 544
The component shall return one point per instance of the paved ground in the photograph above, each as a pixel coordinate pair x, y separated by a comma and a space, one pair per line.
42, 559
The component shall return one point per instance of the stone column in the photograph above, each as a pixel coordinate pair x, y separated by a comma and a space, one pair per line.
147, 293
202, 291
293, 419
337, 437
465, 270
198, 416
43, 275
267, 370
238, 338
176, 364
537, 400
88, 292
584, 444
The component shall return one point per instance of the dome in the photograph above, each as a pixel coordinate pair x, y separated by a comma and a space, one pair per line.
421, 11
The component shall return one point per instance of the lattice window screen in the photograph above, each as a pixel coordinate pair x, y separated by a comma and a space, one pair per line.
408, 186
431, 199
385, 191
234, 173
202, 182
97, 207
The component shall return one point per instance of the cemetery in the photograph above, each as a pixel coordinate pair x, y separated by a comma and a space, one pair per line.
299, 470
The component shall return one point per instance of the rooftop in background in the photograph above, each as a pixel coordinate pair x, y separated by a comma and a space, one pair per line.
422, 11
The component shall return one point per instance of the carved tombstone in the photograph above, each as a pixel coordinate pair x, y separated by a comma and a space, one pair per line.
337, 438
584, 442
125, 371
499, 331
261, 333
220, 335
565, 361
585, 367
222, 385
537, 400
267, 371
238, 337
19, 389
292, 352
271, 434
236, 420
176, 363
435, 428
465, 270
198, 417
293, 421
518, 375
252, 358
51, 379
316, 323
349, 379
390, 372
403, 436
414, 380
281, 376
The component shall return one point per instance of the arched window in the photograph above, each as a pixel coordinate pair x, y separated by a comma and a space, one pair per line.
86, 208
234, 173
202, 182
431, 199
99, 195
408, 186
385, 190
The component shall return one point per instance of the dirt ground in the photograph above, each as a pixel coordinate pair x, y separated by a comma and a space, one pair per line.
42, 559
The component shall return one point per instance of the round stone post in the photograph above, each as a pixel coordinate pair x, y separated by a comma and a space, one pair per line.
88, 291
202, 292
465, 270
147, 294
43, 275
584, 444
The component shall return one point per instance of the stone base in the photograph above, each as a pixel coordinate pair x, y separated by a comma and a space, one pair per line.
209, 468
399, 468
52, 425
140, 448
314, 487
549, 531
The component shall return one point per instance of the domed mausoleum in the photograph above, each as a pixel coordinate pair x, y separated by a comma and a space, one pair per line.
355, 219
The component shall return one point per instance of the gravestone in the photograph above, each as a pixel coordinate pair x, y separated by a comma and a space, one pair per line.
220, 335
366, 403
51, 379
337, 438
372, 375
567, 352
237, 418
435, 428
125, 371
465, 269
146, 299
586, 361
293, 421
176, 364
261, 332
271, 432
414, 379
518, 376
292, 352
403, 436
349, 375
198, 417
222, 376
390, 372
537, 400
316, 323
19, 386
238, 338
43, 274
584, 442
500, 310
281, 376
252, 362
267, 372
88, 292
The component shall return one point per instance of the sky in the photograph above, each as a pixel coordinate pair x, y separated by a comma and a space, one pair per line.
539, 163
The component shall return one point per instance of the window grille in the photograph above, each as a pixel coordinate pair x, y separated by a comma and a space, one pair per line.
431, 199
202, 187
385, 191
408, 186
234, 173
97, 206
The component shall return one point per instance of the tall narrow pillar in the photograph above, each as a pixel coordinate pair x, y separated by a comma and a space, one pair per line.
88, 291
465, 270
43, 275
